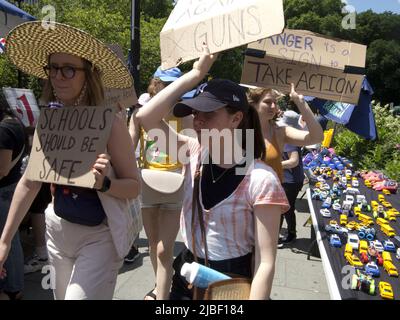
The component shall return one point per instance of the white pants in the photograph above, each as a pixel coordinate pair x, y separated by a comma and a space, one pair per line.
84, 259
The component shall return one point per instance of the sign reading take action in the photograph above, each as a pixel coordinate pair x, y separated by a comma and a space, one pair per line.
318, 66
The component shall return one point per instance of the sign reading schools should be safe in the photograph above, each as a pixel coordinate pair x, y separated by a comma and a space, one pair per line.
318, 66
221, 24
66, 144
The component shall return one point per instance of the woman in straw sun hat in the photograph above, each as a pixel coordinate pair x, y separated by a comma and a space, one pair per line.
86, 247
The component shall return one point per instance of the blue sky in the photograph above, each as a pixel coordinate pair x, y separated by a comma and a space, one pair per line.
376, 5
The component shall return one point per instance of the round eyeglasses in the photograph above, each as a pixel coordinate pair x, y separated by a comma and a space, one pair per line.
67, 72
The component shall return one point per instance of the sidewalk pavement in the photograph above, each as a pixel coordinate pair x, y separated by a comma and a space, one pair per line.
296, 278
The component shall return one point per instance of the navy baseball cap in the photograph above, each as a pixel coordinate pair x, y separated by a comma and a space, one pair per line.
213, 95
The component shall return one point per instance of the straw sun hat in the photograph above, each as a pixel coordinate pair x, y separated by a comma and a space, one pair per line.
29, 45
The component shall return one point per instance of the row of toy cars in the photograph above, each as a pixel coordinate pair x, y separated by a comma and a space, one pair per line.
358, 235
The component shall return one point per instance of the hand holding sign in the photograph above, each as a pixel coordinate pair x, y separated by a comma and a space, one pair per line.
294, 96
204, 64
101, 169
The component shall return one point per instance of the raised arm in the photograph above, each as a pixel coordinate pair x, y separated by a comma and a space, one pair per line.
150, 116
303, 138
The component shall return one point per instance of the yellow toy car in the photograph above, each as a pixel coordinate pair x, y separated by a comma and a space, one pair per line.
354, 261
357, 211
385, 290
333, 222
394, 211
374, 204
381, 197
386, 191
365, 219
390, 268
381, 221
386, 204
363, 246
343, 219
352, 225
348, 249
368, 183
388, 230
386, 256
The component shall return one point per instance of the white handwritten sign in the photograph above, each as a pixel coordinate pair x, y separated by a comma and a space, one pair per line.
66, 144
221, 24
23, 104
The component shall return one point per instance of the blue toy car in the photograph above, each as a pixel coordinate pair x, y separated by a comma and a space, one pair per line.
389, 246
372, 269
335, 241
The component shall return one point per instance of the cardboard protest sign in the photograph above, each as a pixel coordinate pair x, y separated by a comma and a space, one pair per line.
125, 97
318, 66
221, 24
66, 144
23, 104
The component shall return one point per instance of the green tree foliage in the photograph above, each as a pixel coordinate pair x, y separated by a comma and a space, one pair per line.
110, 22
382, 154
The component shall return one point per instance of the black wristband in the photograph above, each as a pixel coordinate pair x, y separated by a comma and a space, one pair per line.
106, 184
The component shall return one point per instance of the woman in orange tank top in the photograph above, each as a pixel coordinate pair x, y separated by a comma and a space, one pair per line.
265, 102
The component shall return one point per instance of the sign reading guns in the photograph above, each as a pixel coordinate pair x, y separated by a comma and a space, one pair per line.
318, 66
221, 24
66, 144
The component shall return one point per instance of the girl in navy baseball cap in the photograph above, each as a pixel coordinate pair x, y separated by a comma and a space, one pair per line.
239, 200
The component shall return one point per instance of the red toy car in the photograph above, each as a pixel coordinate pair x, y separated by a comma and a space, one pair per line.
364, 257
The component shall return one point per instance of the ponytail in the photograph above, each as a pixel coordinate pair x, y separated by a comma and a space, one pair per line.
252, 121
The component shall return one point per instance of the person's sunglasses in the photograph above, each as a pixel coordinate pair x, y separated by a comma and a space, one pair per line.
68, 72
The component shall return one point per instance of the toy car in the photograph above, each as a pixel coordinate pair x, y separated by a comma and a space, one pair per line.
335, 229
335, 241
374, 254
386, 191
386, 204
364, 257
343, 219
336, 206
398, 254
349, 198
363, 246
363, 282
353, 240
389, 246
390, 185
377, 245
385, 290
327, 203
325, 213
355, 183
351, 225
372, 269
353, 260
381, 197
364, 206
390, 268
